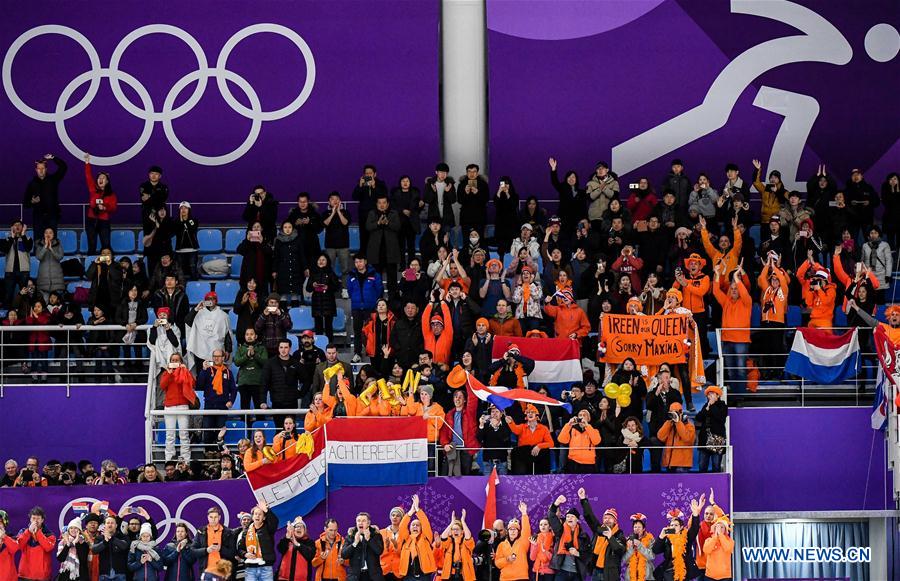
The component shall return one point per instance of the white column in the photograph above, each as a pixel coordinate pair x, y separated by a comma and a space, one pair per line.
878, 542
464, 84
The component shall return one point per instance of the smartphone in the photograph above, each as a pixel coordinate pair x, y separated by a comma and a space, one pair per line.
409, 275
255, 236
634, 186
174, 365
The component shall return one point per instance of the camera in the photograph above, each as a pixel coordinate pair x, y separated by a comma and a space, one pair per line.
207, 303
367, 179
669, 530
768, 306
674, 416
109, 473
174, 365
734, 190
27, 475
257, 197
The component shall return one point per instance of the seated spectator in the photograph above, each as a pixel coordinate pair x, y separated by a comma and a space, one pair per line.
582, 440
49, 252
10, 474
323, 285
677, 434
250, 359
532, 452
569, 321
30, 476
273, 323
503, 323
710, 423
289, 263
526, 241
219, 393
257, 258
177, 384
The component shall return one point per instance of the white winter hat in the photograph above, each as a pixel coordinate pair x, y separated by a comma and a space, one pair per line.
75, 523
146, 528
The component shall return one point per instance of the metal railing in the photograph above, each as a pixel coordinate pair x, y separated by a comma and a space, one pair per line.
68, 357
773, 383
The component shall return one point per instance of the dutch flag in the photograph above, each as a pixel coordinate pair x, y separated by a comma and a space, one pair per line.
820, 357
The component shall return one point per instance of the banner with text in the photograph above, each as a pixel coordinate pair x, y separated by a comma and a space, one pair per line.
648, 339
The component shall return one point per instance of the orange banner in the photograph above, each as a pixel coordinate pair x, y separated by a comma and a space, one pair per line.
648, 339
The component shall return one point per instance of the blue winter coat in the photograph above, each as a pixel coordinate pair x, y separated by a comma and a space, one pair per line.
364, 289
148, 571
179, 564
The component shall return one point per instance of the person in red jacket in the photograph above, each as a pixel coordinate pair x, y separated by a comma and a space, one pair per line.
38, 341
101, 206
37, 544
8, 549
460, 431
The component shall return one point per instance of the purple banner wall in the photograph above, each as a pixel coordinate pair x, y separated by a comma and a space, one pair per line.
324, 87
92, 423
583, 80
169, 503
787, 458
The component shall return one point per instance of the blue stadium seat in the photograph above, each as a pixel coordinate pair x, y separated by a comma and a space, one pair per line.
69, 241
2, 264
151, 316
295, 342
196, 289
234, 430
755, 316
35, 264
122, 241
233, 237
212, 257
354, 237
210, 240
301, 318
82, 242
227, 291
236, 261
840, 318
794, 316
507, 260
340, 321
88, 260
321, 342
85, 314
713, 344
755, 233
322, 239
233, 319
267, 427
879, 313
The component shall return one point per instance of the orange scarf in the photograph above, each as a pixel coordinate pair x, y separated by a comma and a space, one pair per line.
218, 378
184, 378
637, 566
253, 541
526, 296
600, 547
679, 544
568, 536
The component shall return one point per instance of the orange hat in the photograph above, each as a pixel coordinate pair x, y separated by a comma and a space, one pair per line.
536, 333
892, 310
482, 320
528, 268
674, 292
714, 389
675, 513
675, 406
637, 303
530, 408
694, 257
494, 262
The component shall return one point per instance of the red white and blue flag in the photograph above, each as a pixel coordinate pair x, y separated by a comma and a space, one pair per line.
557, 362
821, 357
294, 486
886, 385
376, 451
503, 397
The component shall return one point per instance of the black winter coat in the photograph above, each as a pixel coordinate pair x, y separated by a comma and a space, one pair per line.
386, 234
47, 190
407, 341
257, 264
266, 536
289, 263
309, 232
113, 554
582, 562
81, 551
266, 214
323, 283
283, 381
572, 202
615, 547
473, 207
366, 551
408, 200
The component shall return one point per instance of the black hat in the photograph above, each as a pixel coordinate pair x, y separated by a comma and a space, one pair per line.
601, 164
155, 168
442, 167
93, 518
574, 511
677, 161
732, 167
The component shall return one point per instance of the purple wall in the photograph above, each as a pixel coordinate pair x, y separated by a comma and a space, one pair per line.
93, 423
374, 98
576, 79
808, 459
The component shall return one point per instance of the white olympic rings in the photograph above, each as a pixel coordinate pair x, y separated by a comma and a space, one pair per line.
168, 113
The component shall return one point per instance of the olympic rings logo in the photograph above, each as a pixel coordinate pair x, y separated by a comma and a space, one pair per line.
164, 525
147, 111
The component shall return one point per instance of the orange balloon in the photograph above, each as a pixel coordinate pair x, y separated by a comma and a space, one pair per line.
456, 377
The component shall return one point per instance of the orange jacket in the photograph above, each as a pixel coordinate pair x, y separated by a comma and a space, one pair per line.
509, 327
368, 332
518, 569
330, 567
288, 448
694, 292
735, 314
422, 544
36, 561
821, 301
252, 462
464, 557
718, 550
540, 437
569, 319
439, 346
677, 434
381, 408
435, 416
724, 263
316, 419
350, 401
8, 559
390, 556
779, 299
581, 444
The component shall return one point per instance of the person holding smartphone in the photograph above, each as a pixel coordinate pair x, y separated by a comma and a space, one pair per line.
213, 543
177, 384
511, 556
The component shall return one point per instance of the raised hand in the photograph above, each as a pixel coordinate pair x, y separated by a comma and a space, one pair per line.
756, 164
712, 495
582, 494
560, 500
462, 516
523, 508
702, 221
553, 163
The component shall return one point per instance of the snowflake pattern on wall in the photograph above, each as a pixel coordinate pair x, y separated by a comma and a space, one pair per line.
678, 497
437, 505
539, 491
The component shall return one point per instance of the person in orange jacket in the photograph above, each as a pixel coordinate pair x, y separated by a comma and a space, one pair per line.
457, 545
704, 530
569, 320
675, 433
862, 276
37, 544
773, 298
504, 323
819, 293
583, 439
718, 549
416, 561
254, 457
694, 286
342, 403
328, 562
8, 549
390, 556
437, 333
428, 409
318, 415
285, 442
511, 556
736, 306
532, 454
726, 257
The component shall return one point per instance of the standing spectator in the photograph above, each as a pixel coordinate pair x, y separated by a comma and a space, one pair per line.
16, 248
106, 281
774, 289
112, 549
772, 194
495, 438
710, 423
506, 210
582, 439
213, 542
308, 356
362, 551
331, 359
572, 197
365, 193
569, 321
664, 392
257, 253
532, 452
178, 385
718, 549
208, 329
336, 222
609, 541
165, 267
290, 263
154, 193
49, 252
680, 186
378, 334
641, 203
463, 312
172, 297
503, 323
248, 308
794, 214
703, 198
526, 240
219, 393
440, 195
42, 193
187, 247
414, 284
383, 249
775, 240
407, 340
819, 293
323, 284
73, 553
144, 560
517, 543
437, 335
131, 312
820, 190
570, 557
297, 552
890, 197
473, 200
39, 343
433, 239
308, 224
262, 207
406, 200
250, 359
863, 198
736, 307
735, 192
677, 434
364, 287
281, 377
178, 556
36, 543
876, 255
101, 207
527, 296
458, 435
158, 228
603, 187
163, 340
